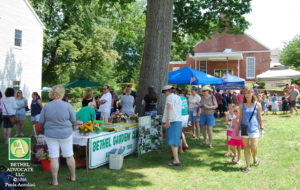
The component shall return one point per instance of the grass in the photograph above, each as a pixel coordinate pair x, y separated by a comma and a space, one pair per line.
203, 168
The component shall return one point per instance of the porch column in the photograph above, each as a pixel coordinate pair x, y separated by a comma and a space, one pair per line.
238, 67
195, 64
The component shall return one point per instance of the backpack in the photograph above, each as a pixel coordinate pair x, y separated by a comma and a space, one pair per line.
9, 178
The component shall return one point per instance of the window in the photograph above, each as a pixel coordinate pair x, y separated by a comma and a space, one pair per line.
175, 68
16, 86
250, 68
203, 66
221, 72
18, 37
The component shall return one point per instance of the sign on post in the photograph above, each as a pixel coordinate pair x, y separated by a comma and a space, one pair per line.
99, 147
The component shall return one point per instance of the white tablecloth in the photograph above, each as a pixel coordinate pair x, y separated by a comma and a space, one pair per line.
81, 140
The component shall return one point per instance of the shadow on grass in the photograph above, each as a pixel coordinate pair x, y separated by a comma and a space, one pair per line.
226, 167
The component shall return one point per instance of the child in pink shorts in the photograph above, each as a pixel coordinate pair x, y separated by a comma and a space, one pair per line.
236, 140
229, 116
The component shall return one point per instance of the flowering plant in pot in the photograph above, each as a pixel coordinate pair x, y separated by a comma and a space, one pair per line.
86, 128
43, 155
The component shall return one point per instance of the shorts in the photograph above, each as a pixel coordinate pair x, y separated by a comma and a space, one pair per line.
104, 116
65, 145
207, 120
185, 120
192, 117
36, 118
235, 142
251, 136
293, 103
6, 122
21, 117
229, 133
174, 133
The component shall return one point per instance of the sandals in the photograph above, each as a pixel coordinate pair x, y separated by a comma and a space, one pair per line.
234, 159
256, 163
227, 154
211, 146
174, 164
51, 183
69, 179
246, 170
194, 136
204, 143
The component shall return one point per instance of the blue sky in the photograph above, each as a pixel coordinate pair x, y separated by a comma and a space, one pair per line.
274, 21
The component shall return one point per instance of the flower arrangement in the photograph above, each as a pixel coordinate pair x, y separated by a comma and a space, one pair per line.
134, 118
42, 154
86, 128
119, 117
98, 126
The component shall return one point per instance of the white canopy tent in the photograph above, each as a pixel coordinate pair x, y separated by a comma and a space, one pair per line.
278, 74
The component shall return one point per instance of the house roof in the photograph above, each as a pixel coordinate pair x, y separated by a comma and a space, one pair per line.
34, 13
237, 43
218, 56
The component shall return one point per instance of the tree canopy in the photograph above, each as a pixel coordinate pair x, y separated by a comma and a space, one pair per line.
290, 54
103, 40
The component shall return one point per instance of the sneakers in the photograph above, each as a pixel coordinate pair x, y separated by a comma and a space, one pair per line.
16, 135
22, 134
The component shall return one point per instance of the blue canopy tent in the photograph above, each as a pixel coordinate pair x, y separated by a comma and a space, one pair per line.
189, 76
231, 82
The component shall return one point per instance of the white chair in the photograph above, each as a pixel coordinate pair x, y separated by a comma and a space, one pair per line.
40, 139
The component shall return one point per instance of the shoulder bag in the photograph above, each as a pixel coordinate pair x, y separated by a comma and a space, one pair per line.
244, 127
13, 119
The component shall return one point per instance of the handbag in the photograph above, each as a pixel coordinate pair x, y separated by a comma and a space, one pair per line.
244, 127
12, 119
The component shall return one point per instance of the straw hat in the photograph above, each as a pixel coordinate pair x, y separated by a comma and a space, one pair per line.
167, 87
206, 88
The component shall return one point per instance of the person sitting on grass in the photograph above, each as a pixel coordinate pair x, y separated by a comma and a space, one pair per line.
173, 122
235, 141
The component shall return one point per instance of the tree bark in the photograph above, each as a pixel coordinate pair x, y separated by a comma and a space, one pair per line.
157, 48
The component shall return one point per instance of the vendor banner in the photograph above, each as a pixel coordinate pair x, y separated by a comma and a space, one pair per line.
100, 146
150, 134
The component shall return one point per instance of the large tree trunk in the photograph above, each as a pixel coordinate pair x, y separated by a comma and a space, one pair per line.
157, 47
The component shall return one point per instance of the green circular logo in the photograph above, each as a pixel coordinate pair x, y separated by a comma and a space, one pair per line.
19, 148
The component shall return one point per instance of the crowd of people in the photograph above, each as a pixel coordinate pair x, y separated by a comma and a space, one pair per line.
242, 110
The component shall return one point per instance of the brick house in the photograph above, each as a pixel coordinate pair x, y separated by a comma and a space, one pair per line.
240, 55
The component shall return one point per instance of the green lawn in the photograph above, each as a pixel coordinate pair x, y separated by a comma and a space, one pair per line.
203, 168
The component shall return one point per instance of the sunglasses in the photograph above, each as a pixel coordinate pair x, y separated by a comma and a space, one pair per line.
104, 88
19, 92
235, 111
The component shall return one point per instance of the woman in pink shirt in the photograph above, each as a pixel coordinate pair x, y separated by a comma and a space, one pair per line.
240, 97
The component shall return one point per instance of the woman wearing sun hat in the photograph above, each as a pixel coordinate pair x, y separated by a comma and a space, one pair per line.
173, 121
208, 105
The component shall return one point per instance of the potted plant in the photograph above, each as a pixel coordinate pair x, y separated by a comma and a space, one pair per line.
43, 155
86, 128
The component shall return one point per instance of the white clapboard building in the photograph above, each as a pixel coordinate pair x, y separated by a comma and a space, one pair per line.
21, 47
